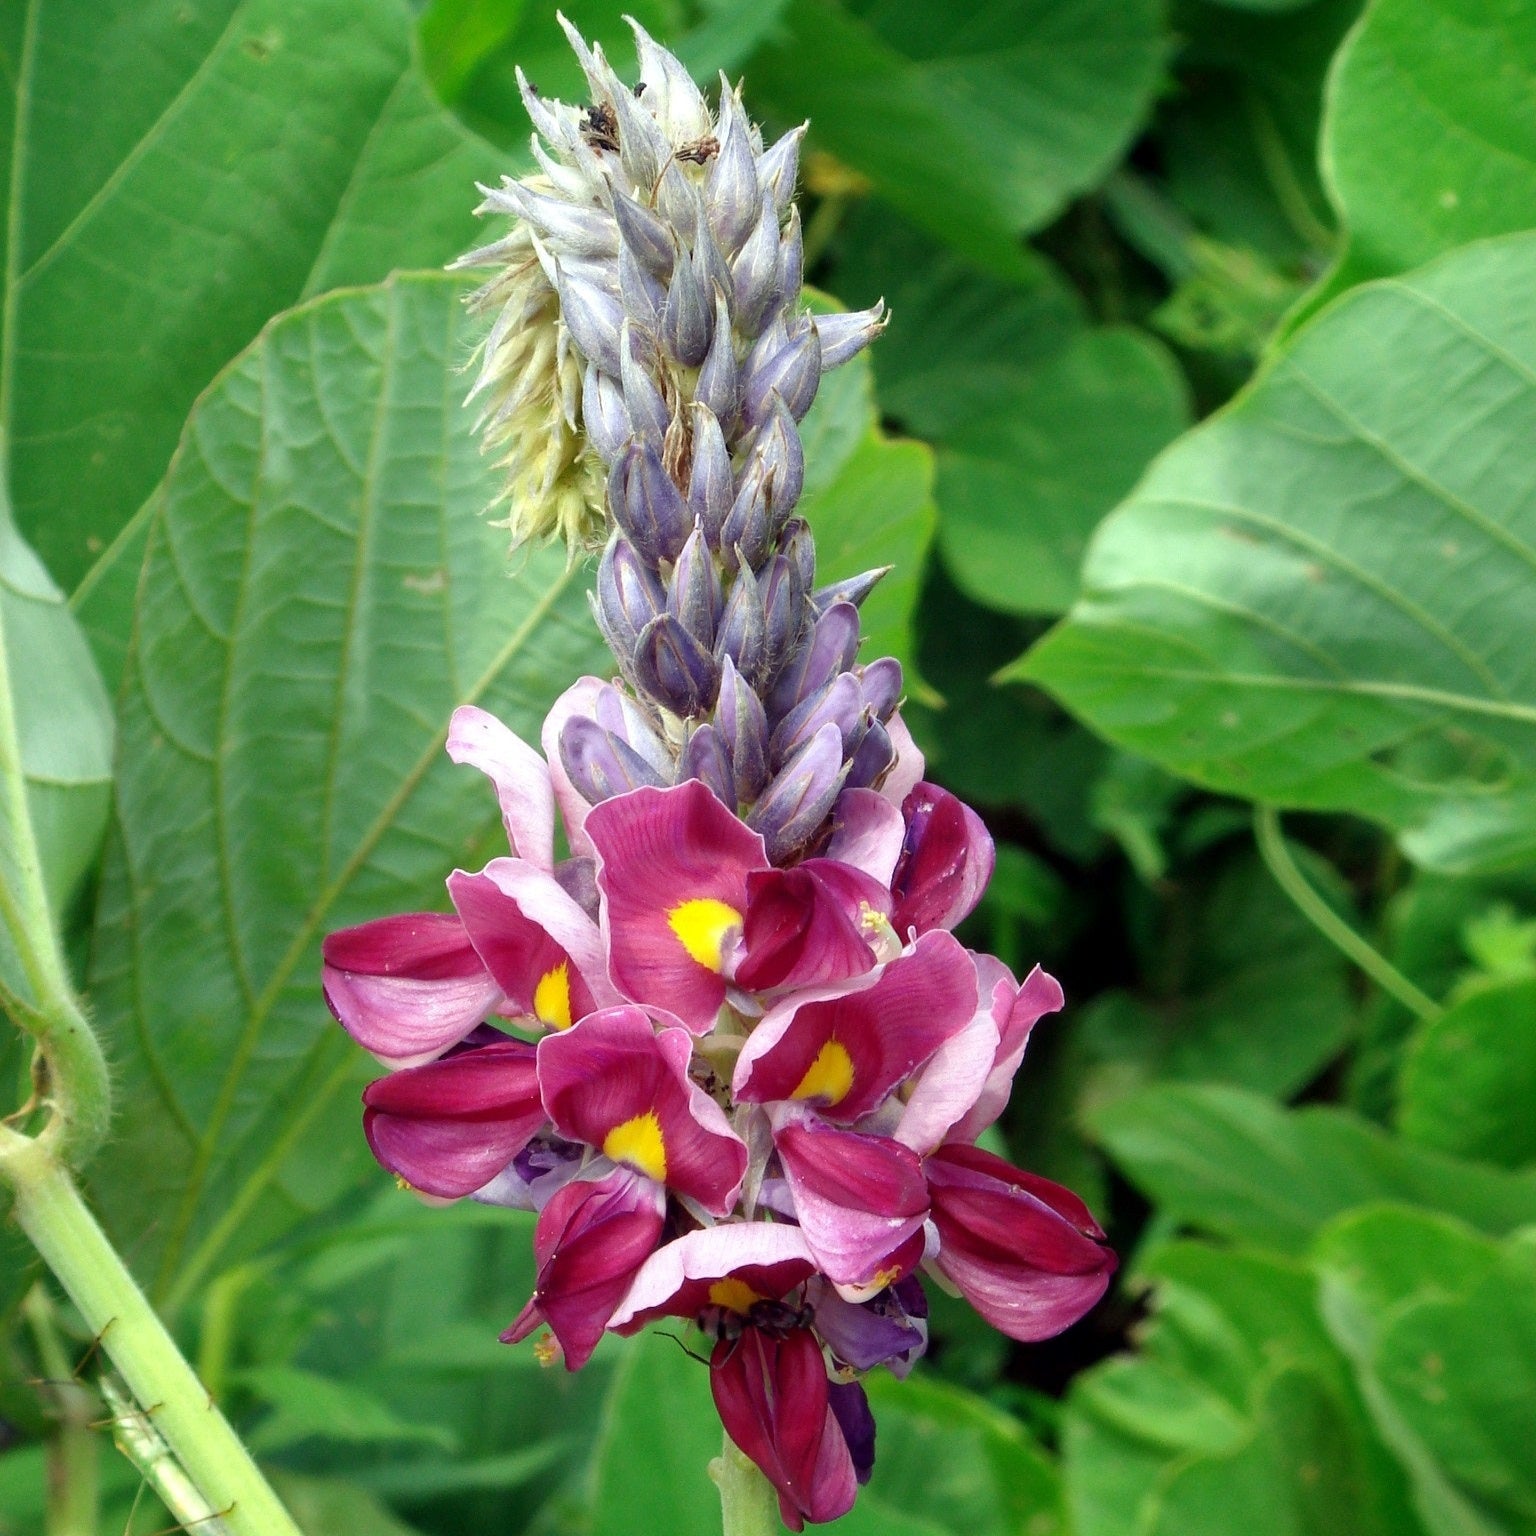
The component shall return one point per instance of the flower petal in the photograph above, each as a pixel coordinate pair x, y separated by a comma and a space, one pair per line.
945, 863
868, 832
847, 1053
1016, 1014
672, 873
615, 1083
450, 1126
806, 926
520, 775
408, 987
1023, 1251
579, 699
590, 1241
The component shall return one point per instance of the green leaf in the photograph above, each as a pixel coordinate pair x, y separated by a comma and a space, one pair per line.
1308, 600
177, 174
310, 1407
1469, 1080
324, 1506
319, 592
1403, 1293
1023, 484
1235, 1164
1455, 79
63, 728
976, 124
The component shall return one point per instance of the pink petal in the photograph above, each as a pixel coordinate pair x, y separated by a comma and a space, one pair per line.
658, 851
613, 1070
1041, 994
877, 1035
867, 832
524, 925
590, 1241
859, 1198
949, 1085
1023, 1251
407, 988
579, 699
805, 925
448, 1127
945, 864
768, 1256
906, 773
520, 775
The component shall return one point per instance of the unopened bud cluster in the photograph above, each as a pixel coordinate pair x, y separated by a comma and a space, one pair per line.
646, 371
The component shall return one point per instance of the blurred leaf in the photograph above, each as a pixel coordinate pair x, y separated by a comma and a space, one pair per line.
323, 1506
1023, 484
1457, 80
1235, 1164
977, 124
1236, 1402
320, 591
1403, 1293
179, 173
1469, 1080
64, 729
306, 1406
1248, 623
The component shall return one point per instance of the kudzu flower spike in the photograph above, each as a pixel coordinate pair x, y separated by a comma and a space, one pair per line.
729, 1050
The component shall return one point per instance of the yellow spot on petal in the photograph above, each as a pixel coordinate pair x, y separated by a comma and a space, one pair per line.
733, 1294
829, 1077
638, 1141
552, 997
701, 926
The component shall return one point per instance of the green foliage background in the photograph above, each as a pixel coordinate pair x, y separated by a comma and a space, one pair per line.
1204, 439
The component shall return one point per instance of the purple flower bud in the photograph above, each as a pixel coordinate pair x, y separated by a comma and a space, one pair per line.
783, 613
839, 702
646, 236
743, 728
731, 193
714, 271
642, 398
710, 490
791, 259
778, 166
829, 649
630, 722
755, 274
792, 809
746, 535
852, 589
581, 231
716, 385
599, 764
792, 371
880, 685
687, 317
694, 597
706, 759
604, 415
797, 544
674, 669
641, 294
627, 597
742, 635
646, 504
782, 454
845, 336
873, 758
593, 316
643, 147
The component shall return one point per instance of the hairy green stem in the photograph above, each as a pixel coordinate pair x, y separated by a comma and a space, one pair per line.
1288, 876
73, 1473
172, 1401
748, 1504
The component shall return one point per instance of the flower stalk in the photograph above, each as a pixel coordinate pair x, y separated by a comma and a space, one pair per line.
748, 1504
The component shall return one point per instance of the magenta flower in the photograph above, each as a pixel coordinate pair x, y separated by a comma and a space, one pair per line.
729, 1051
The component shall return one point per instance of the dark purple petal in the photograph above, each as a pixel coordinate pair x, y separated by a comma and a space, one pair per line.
945, 863
805, 925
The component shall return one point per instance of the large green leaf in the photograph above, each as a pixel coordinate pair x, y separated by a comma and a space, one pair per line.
976, 123
1235, 1164
1440, 1326
177, 173
1469, 1081
1456, 81
320, 591
1311, 600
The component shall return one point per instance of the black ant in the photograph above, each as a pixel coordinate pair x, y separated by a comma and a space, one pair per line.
600, 127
